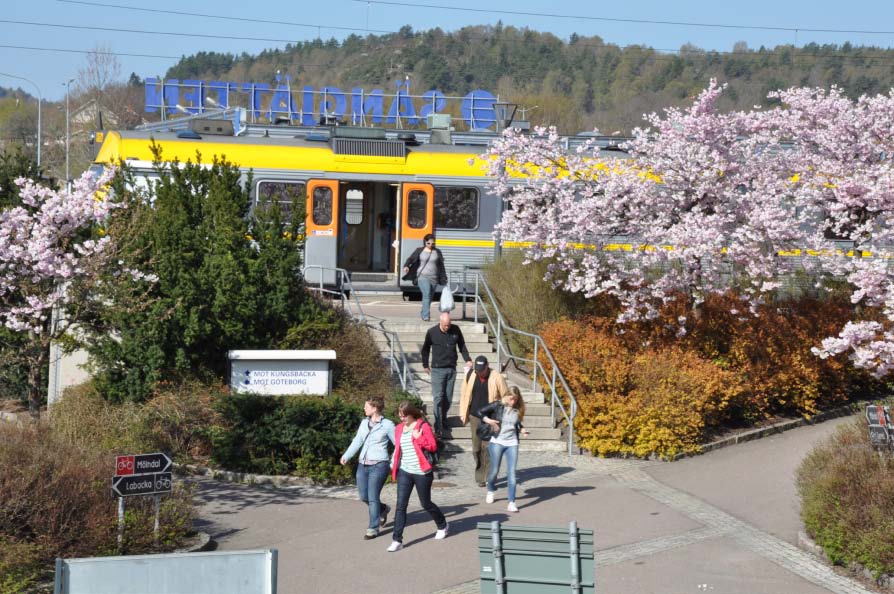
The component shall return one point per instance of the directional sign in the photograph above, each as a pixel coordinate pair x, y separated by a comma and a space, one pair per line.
142, 484
875, 414
142, 464
878, 435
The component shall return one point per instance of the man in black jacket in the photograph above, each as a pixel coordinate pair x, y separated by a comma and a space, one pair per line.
443, 341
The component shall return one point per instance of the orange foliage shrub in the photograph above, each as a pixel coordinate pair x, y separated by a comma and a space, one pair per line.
643, 389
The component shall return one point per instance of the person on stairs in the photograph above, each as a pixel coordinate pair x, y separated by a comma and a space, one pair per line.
480, 387
442, 342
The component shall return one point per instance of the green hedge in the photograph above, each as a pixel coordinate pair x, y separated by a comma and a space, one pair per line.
301, 435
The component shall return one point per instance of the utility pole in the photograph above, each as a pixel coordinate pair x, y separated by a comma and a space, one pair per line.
39, 100
67, 134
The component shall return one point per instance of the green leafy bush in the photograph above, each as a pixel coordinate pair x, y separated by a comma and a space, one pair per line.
227, 279
282, 434
847, 499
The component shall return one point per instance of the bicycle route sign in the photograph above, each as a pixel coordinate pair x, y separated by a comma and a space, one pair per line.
142, 484
879, 425
142, 464
142, 474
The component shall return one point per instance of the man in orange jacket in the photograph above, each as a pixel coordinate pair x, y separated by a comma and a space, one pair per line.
481, 386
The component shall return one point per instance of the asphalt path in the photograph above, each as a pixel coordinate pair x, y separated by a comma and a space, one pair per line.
724, 522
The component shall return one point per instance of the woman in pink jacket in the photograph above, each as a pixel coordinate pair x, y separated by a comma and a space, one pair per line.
412, 467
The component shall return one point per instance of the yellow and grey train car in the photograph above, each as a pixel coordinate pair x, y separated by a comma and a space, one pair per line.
371, 195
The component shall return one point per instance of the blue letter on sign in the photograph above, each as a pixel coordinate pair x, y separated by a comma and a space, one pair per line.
194, 95
332, 101
432, 102
478, 109
154, 100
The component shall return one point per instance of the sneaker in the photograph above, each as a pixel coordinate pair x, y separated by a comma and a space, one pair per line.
441, 534
371, 533
383, 517
490, 497
512, 507
395, 546
482, 484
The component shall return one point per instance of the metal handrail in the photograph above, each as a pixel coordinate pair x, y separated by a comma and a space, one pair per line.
398, 363
555, 380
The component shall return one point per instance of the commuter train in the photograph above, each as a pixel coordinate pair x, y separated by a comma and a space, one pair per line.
371, 194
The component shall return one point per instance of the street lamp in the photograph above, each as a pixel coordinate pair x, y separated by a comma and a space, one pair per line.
67, 136
39, 100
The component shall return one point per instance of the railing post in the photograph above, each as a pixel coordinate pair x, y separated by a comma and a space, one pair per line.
499, 342
465, 291
536, 341
552, 403
476, 296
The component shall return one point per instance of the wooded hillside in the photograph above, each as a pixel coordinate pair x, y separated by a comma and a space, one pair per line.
577, 84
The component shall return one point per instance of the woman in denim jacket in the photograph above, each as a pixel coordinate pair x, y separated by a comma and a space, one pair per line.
371, 441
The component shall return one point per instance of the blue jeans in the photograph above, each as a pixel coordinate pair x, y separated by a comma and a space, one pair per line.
370, 479
442, 380
428, 290
496, 455
405, 484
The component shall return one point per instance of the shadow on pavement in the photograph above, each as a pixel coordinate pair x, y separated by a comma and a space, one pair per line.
232, 498
456, 526
536, 495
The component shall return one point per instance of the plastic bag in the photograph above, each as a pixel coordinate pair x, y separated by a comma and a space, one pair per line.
447, 303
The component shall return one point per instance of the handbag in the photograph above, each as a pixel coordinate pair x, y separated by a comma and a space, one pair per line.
484, 431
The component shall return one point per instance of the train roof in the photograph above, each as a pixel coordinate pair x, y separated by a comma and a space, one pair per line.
319, 149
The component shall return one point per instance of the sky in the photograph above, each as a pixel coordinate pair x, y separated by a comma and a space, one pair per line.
757, 22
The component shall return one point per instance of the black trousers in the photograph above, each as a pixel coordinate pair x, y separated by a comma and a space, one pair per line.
405, 484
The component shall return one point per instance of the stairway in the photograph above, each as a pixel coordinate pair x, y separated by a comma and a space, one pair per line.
543, 435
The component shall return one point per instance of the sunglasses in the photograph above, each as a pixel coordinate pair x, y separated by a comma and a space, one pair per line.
429, 243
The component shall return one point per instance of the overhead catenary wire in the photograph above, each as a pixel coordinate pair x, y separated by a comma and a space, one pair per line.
223, 17
623, 20
661, 53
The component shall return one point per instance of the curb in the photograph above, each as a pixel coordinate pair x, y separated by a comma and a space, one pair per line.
204, 544
805, 543
267, 480
833, 413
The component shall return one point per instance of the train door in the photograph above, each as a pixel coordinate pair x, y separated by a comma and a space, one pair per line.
417, 218
321, 243
366, 229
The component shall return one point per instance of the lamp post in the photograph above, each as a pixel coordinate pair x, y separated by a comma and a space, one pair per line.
39, 100
67, 136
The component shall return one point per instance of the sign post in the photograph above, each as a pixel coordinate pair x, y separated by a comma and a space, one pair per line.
140, 475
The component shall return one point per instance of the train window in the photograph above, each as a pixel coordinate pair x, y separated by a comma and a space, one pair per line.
354, 207
456, 208
283, 193
322, 206
416, 209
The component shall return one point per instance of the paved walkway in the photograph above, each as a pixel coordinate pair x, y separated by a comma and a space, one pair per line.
723, 522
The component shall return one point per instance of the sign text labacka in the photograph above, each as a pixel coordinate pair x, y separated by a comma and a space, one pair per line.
308, 105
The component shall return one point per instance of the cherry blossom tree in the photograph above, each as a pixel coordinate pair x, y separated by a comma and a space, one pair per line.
51, 255
712, 201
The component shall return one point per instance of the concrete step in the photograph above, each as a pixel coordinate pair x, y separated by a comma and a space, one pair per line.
460, 433
419, 337
530, 421
531, 410
525, 445
533, 400
413, 350
402, 326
